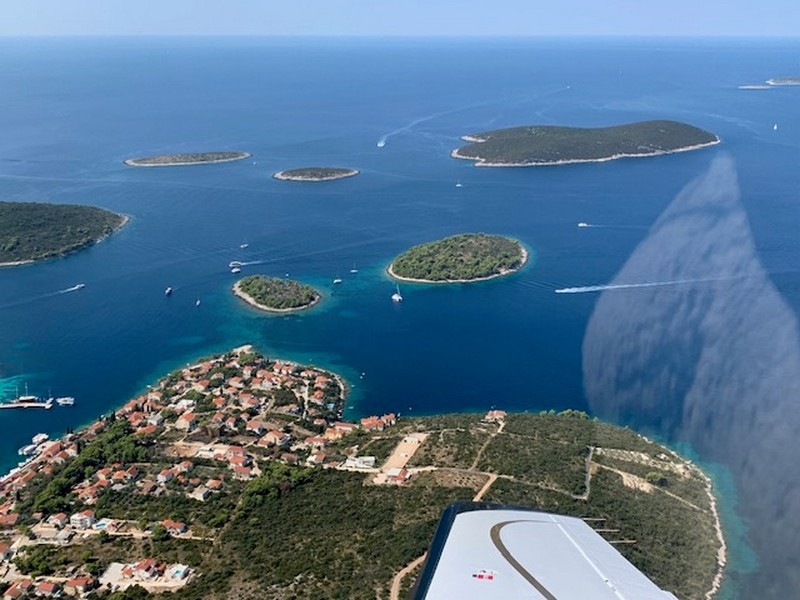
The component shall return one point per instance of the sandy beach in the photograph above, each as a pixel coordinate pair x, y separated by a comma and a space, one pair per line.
237, 291
503, 273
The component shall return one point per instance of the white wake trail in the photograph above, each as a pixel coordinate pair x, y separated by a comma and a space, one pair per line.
625, 286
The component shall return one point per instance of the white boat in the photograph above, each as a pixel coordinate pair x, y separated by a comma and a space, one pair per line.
197, 302
27, 450
235, 263
243, 246
459, 184
236, 270
337, 281
354, 270
583, 224
168, 291
40, 438
397, 297
775, 127
381, 142
65, 401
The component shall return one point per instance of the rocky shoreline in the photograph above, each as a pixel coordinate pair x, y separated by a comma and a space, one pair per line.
239, 293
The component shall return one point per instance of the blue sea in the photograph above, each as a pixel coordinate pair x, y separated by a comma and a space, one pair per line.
706, 359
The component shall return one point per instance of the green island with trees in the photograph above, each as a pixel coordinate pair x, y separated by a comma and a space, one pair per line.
275, 294
541, 145
31, 231
460, 258
315, 174
302, 529
193, 158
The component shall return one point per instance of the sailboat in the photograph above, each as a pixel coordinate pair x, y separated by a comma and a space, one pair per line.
354, 270
397, 297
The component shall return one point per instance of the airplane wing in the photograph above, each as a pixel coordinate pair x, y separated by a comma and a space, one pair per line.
486, 551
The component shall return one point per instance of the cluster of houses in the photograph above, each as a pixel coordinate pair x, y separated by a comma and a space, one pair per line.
28, 588
248, 405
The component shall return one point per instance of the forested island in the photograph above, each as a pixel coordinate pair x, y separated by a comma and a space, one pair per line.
315, 174
460, 258
275, 294
541, 145
31, 231
194, 158
237, 475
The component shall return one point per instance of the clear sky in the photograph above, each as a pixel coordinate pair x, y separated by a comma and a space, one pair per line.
401, 17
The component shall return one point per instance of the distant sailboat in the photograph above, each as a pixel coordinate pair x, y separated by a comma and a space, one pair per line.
168, 291
397, 297
243, 246
197, 302
354, 270
337, 281
775, 127
459, 184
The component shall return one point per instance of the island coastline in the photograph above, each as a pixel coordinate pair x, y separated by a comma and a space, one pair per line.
19, 263
479, 162
296, 175
239, 293
503, 273
137, 162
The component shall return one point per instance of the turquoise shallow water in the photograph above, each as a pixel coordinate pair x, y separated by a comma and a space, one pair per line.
73, 110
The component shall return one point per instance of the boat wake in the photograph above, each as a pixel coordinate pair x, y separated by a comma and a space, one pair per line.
627, 286
74, 288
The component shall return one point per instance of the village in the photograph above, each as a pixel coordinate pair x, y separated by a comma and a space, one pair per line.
199, 431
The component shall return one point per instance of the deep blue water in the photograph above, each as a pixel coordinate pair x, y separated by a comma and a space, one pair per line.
72, 110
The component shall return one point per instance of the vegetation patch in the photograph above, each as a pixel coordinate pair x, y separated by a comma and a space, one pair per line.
34, 231
460, 258
276, 294
554, 145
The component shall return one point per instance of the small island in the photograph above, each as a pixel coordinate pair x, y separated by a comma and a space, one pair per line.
31, 231
541, 145
232, 475
274, 294
179, 160
315, 174
463, 258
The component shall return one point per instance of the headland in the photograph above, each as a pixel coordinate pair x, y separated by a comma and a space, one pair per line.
34, 231
167, 492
